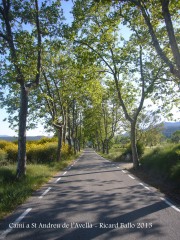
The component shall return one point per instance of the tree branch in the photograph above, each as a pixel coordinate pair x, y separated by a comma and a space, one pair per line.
9, 37
170, 31
4, 36
39, 44
155, 41
95, 51
143, 85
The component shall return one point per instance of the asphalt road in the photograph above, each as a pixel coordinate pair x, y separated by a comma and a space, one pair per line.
94, 199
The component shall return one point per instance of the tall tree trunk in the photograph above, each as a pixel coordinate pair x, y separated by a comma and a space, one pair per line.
74, 144
103, 147
171, 34
69, 129
21, 165
69, 142
107, 146
59, 144
79, 145
64, 134
64, 127
133, 146
98, 146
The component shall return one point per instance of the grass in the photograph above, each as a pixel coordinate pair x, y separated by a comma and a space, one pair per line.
114, 154
163, 161
14, 192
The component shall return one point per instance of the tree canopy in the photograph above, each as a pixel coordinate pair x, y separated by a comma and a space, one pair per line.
87, 79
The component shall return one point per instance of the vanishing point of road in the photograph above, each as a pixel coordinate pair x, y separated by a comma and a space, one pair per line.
94, 199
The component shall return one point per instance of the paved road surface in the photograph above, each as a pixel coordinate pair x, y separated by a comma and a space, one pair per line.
94, 199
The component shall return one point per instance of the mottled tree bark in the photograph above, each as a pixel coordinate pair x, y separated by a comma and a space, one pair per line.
134, 146
21, 165
59, 144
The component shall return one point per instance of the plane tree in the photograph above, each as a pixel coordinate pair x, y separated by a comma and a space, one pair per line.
110, 119
101, 120
131, 63
162, 20
159, 23
24, 27
68, 86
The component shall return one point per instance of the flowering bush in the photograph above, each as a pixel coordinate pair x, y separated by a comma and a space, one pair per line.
42, 151
12, 152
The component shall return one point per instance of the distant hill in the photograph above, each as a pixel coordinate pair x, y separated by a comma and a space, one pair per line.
11, 139
170, 127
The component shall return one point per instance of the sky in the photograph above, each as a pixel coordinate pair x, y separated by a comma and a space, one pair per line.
4, 125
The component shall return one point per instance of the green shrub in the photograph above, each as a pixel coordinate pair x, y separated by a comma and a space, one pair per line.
140, 149
164, 161
175, 172
7, 175
3, 157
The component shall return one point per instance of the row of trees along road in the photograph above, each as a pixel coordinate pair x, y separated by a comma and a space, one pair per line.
87, 76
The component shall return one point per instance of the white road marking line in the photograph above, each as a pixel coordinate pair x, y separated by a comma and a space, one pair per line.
142, 184
4, 234
117, 167
45, 192
64, 173
57, 180
124, 171
170, 204
131, 176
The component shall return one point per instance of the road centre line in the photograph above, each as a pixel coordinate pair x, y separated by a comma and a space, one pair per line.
19, 219
124, 171
45, 192
170, 204
64, 173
